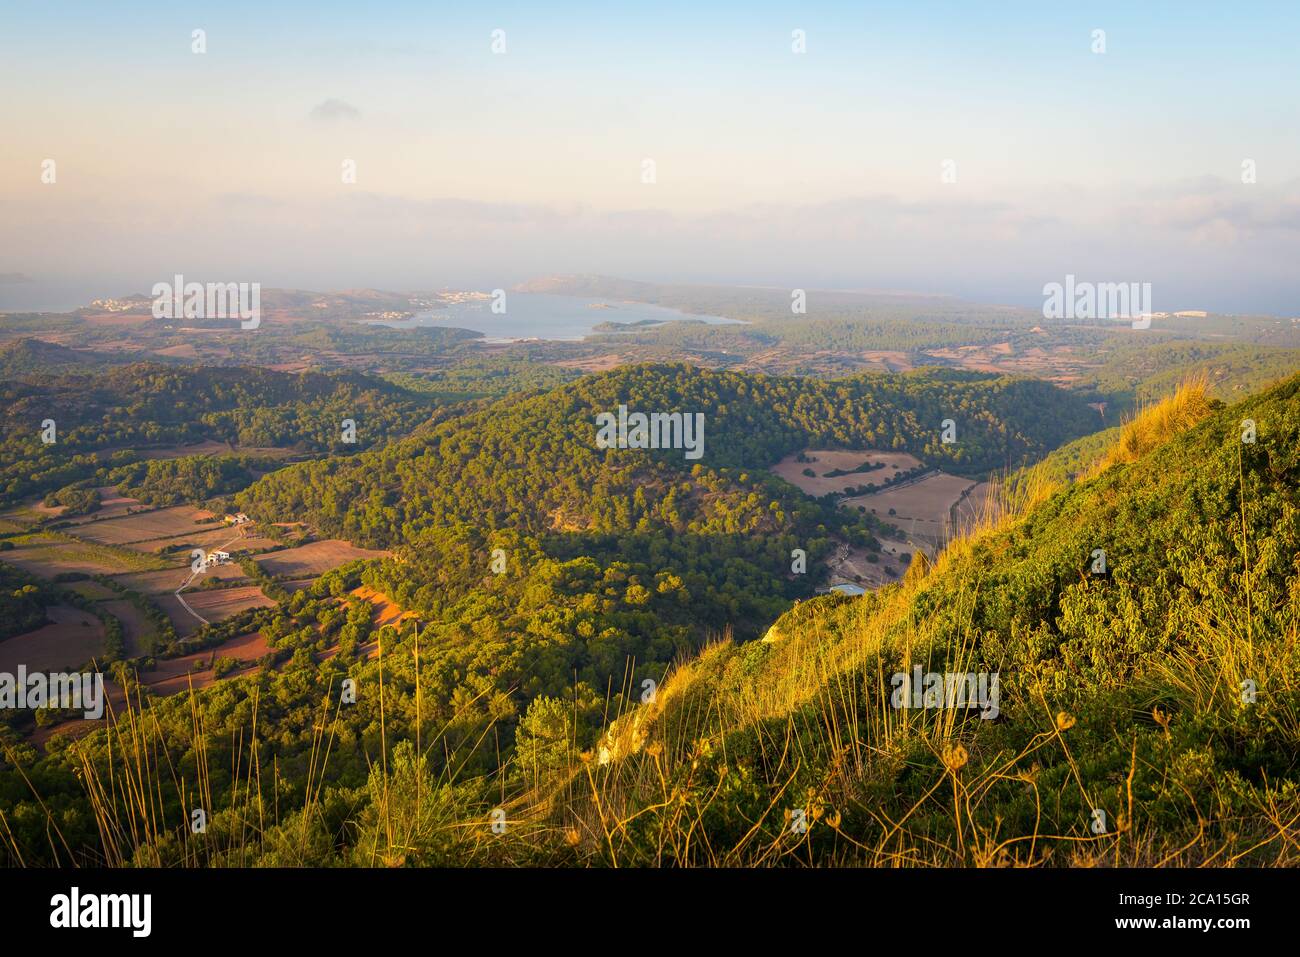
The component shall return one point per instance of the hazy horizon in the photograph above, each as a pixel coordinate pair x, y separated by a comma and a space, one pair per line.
820, 169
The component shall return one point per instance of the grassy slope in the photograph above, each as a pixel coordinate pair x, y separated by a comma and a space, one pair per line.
1121, 694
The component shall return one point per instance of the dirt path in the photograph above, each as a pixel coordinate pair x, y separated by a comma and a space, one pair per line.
193, 575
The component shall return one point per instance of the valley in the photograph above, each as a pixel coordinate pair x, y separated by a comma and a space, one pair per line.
470, 543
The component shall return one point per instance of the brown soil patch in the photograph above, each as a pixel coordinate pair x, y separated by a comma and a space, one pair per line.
73, 638
145, 526
827, 460
315, 558
387, 612
217, 604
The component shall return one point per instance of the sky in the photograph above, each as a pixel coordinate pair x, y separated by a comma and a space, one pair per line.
478, 167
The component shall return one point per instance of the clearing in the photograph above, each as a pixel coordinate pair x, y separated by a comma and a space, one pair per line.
314, 559
821, 461
171, 522
921, 509
72, 639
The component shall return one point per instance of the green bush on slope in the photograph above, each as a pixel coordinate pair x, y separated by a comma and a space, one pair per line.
1128, 693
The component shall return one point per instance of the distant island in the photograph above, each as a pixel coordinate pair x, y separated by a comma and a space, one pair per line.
611, 326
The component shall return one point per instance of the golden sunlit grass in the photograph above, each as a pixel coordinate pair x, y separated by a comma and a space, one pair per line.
806, 702
1156, 424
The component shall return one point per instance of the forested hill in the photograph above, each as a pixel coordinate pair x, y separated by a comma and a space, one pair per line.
105, 416
1147, 711
533, 465
23, 357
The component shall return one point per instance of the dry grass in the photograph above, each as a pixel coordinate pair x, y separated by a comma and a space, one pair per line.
1156, 424
664, 768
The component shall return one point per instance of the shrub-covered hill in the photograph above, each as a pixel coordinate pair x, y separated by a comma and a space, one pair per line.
103, 416
1147, 715
612, 564
533, 464
525, 476
27, 356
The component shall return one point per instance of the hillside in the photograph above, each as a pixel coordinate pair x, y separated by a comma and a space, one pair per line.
23, 357
1132, 375
1146, 715
520, 462
106, 418
689, 548
551, 579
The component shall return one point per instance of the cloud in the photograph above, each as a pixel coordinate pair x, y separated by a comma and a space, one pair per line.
1203, 244
1219, 209
14, 277
333, 111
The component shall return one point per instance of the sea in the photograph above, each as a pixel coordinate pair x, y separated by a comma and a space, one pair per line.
535, 315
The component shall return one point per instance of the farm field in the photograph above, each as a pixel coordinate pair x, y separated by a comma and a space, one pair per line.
924, 508
315, 558
165, 582
71, 639
219, 537
886, 360
214, 448
171, 676
112, 504
829, 460
185, 623
48, 555
143, 526
136, 628
1060, 364
180, 451
971, 507
179, 674
852, 566
93, 591
127, 546
921, 509
216, 604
